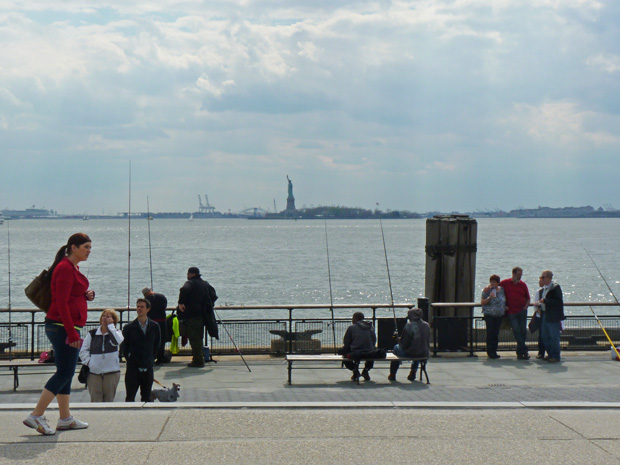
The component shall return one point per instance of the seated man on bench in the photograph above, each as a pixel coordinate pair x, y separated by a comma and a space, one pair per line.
414, 343
359, 342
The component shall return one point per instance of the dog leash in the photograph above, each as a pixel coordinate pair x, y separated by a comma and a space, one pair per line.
160, 384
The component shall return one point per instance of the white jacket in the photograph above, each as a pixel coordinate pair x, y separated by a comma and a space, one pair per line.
100, 353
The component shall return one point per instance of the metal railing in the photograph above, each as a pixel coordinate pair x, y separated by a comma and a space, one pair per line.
301, 329
468, 333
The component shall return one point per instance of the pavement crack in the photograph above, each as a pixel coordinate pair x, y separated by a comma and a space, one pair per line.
591, 441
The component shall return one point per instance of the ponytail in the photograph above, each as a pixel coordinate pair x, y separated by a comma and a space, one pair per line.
76, 239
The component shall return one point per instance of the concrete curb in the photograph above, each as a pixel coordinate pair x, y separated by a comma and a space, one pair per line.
323, 405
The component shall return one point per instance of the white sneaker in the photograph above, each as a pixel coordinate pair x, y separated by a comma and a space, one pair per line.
71, 423
40, 424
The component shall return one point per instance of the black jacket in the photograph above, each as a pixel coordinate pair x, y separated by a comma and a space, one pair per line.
554, 304
140, 349
196, 294
158, 306
199, 296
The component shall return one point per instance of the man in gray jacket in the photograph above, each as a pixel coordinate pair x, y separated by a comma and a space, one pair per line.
359, 342
413, 343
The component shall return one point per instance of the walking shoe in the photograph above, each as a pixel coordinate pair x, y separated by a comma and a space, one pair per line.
40, 424
553, 360
523, 357
391, 377
71, 423
494, 356
195, 365
356, 376
540, 356
365, 375
411, 376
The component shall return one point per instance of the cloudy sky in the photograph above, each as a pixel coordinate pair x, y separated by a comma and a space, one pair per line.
419, 105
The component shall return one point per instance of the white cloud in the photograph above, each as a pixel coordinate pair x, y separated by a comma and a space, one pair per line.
247, 91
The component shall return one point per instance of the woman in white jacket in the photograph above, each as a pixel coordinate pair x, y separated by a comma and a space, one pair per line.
100, 351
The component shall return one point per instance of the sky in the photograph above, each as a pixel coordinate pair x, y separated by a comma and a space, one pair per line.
457, 105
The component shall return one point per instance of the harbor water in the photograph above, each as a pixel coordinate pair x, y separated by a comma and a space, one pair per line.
284, 262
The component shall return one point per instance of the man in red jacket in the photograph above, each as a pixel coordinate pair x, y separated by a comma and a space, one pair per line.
517, 301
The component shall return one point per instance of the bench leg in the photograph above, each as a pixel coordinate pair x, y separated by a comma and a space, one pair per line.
423, 370
290, 369
15, 378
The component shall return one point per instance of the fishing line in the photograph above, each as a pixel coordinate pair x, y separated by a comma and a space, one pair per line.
387, 266
129, 246
148, 220
601, 274
231, 340
331, 298
613, 346
8, 236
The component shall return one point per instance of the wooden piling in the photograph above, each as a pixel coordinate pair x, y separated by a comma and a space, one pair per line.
450, 274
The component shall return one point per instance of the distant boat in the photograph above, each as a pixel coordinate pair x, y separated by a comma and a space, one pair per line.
191, 217
1, 219
85, 218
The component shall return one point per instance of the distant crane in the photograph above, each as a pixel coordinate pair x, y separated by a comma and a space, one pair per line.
206, 208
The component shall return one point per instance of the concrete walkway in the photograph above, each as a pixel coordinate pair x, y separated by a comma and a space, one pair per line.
475, 411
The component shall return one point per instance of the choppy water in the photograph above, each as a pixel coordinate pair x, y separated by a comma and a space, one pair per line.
285, 262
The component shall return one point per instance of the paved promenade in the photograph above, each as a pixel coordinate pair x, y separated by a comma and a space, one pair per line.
475, 411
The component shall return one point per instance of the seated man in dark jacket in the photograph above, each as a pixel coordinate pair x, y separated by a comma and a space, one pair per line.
413, 343
359, 342
140, 348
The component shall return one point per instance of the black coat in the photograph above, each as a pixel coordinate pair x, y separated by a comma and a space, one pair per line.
554, 304
140, 349
199, 297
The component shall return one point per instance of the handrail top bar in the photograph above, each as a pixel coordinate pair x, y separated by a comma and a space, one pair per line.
566, 304
326, 306
249, 307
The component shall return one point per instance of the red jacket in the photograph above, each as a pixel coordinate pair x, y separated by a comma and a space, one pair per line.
68, 305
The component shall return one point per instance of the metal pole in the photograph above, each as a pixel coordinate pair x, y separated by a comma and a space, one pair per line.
10, 341
387, 266
331, 299
148, 220
231, 340
129, 245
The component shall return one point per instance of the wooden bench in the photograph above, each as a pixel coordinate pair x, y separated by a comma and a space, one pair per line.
16, 364
331, 358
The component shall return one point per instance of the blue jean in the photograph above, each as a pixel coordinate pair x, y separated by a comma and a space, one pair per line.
396, 363
518, 322
550, 331
66, 358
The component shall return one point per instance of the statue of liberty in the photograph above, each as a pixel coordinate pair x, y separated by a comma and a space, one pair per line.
290, 200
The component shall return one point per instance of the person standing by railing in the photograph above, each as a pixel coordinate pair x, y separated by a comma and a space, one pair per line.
493, 308
517, 300
64, 320
552, 306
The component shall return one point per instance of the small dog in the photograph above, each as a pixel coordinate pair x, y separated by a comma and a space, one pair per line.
166, 395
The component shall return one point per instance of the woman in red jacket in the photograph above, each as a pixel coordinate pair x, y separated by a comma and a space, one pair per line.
63, 322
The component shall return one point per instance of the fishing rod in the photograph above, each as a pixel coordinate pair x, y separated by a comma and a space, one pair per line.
331, 298
387, 266
601, 274
8, 236
148, 221
613, 346
129, 246
231, 340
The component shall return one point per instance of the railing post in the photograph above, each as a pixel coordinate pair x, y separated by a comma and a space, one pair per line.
424, 305
289, 343
32, 336
471, 332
